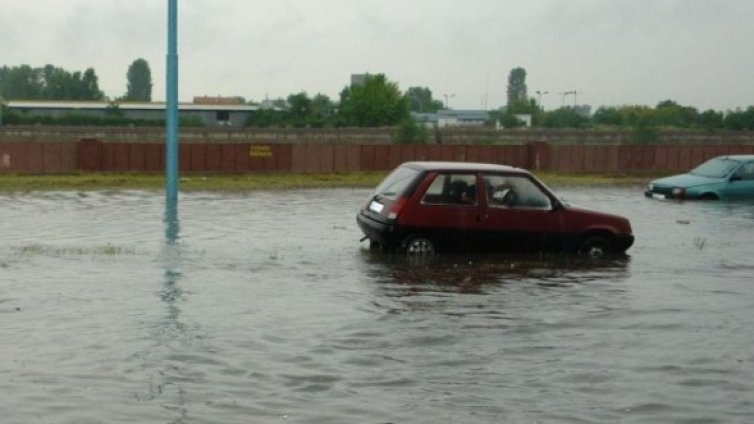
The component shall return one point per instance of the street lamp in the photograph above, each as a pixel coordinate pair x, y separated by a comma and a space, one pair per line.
448, 96
539, 97
566, 93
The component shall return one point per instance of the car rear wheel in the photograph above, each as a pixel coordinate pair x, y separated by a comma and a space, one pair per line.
419, 246
594, 247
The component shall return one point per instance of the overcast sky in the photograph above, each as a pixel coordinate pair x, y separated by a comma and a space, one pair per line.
611, 52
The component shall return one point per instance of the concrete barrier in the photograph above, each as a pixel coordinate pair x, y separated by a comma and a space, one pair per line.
94, 155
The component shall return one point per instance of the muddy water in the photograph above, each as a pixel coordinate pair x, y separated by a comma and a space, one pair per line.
266, 308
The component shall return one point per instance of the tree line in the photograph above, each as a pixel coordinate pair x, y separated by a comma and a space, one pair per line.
51, 82
48, 83
375, 101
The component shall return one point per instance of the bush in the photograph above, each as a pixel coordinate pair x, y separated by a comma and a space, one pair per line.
411, 132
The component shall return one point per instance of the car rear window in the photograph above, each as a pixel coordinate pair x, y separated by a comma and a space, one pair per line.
397, 182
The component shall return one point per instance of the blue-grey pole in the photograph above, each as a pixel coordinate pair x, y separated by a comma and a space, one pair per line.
171, 118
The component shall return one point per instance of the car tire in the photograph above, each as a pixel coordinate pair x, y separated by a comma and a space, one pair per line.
594, 247
419, 246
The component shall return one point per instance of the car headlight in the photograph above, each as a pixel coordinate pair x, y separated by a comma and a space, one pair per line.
650, 187
679, 192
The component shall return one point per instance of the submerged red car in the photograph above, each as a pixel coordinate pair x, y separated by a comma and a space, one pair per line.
428, 207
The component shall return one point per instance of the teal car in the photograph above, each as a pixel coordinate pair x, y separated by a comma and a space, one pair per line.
721, 178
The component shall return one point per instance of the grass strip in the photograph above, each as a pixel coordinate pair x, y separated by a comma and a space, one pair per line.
265, 181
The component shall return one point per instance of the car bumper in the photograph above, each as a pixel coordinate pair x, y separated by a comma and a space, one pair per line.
622, 243
659, 195
377, 231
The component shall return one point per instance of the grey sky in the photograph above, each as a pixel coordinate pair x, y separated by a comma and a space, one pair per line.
612, 52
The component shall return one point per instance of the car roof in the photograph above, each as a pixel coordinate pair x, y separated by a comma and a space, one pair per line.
738, 157
462, 166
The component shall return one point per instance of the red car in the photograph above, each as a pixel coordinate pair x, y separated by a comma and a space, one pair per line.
427, 207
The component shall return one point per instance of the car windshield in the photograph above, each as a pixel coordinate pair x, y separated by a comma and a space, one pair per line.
396, 182
715, 168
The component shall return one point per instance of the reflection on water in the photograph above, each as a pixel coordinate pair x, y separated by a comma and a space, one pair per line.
475, 273
264, 307
172, 334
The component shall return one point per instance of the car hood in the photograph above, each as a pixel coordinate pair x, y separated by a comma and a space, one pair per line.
584, 210
686, 181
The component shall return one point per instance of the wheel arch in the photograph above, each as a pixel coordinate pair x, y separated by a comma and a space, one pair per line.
709, 195
605, 233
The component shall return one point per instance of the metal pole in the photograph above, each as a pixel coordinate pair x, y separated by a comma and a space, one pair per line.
171, 112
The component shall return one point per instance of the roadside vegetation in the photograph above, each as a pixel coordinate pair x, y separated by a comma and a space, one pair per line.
247, 182
371, 101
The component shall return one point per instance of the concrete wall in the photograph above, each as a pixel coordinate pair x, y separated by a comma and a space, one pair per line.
94, 155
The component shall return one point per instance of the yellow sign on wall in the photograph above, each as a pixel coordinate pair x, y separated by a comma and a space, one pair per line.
260, 151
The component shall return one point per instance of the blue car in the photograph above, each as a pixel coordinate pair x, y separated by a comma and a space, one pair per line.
720, 178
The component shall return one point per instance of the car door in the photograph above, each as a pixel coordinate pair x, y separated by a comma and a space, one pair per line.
447, 210
517, 215
741, 183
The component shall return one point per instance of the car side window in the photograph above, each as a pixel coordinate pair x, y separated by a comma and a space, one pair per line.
514, 191
746, 171
451, 189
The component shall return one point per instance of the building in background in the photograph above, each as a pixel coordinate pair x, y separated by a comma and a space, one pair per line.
211, 115
453, 118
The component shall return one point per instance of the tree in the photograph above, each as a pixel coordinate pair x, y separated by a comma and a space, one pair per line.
139, 82
265, 118
20, 83
59, 84
670, 114
608, 116
565, 117
420, 100
412, 132
322, 110
90, 86
517, 96
375, 103
55, 83
300, 108
740, 119
48, 83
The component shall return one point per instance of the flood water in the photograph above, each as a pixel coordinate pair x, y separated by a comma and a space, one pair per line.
263, 307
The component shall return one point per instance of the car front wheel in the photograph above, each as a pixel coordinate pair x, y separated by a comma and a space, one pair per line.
419, 246
594, 247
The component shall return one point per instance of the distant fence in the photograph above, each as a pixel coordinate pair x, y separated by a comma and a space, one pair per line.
93, 155
359, 136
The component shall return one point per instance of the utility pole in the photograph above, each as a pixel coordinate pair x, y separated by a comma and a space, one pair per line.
171, 111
